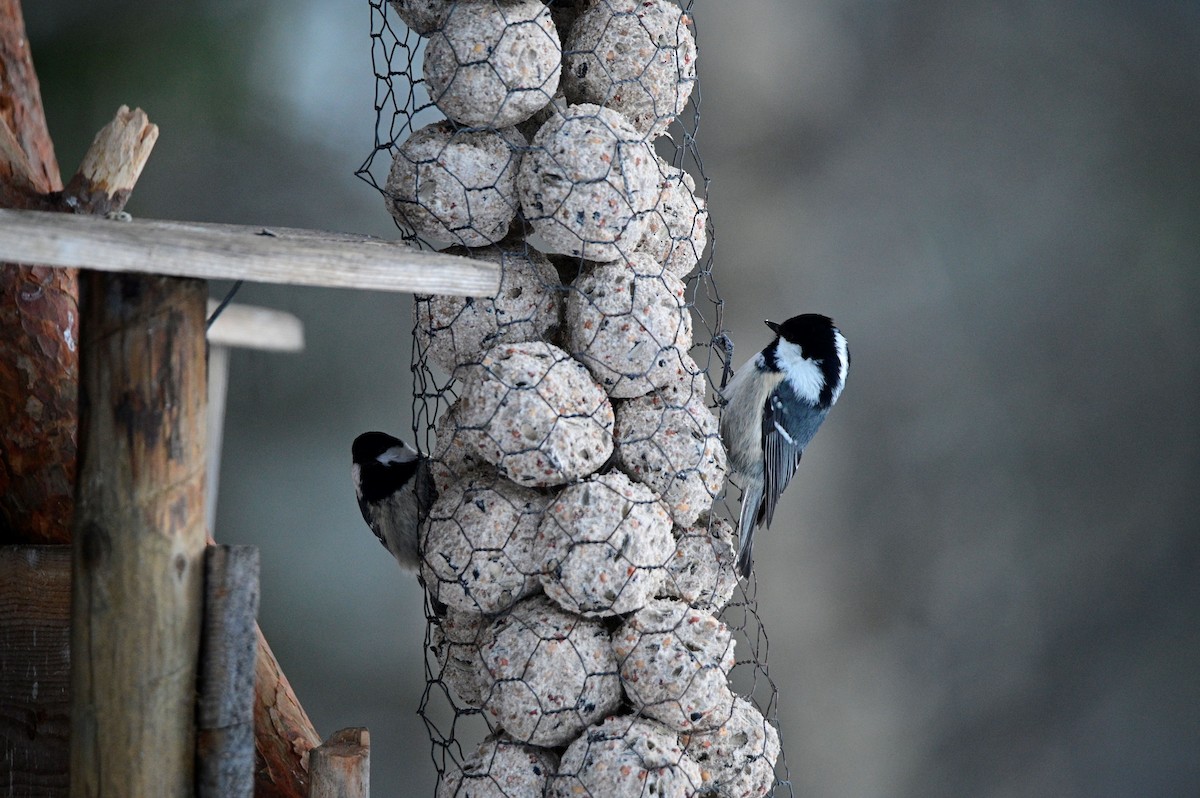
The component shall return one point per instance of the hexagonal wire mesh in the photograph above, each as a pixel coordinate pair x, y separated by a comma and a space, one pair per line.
578, 554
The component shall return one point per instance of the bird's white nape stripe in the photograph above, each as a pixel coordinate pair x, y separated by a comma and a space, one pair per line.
839, 341
397, 454
356, 475
804, 375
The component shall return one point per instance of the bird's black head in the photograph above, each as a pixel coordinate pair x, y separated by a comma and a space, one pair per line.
812, 332
368, 446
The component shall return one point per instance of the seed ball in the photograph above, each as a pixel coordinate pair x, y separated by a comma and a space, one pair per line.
675, 662
455, 331
587, 182
478, 553
456, 450
702, 571
634, 56
421, 16
549, 673
499, 768
626, 755
605, 544
493, 63
537, 415
677, 229
675, 449
456, 185
740, 755
455, 640
632, 328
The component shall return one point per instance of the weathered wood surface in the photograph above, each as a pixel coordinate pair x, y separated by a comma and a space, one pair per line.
341, 766
138, 537
238, 252
35, 698
225, 690
35, 723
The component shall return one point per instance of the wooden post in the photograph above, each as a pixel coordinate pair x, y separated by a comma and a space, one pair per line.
138, 537
225, 703
341, 766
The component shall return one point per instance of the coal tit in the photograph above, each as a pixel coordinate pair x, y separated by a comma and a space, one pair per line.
395, 491
774, 405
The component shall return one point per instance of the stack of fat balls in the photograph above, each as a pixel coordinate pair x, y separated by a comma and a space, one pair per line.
562, 524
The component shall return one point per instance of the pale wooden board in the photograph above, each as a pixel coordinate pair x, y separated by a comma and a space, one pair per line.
254, 327
238, 252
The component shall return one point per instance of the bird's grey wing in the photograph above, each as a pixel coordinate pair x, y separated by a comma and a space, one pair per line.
789, 423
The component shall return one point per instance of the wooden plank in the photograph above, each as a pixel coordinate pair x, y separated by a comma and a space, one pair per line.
138, 538
35, 697
225, 690
341, 766
236, 252
253, 327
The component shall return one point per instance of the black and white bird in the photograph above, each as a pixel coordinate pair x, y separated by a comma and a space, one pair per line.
395, 491
774, 405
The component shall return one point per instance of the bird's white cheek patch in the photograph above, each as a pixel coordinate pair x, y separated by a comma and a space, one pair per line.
396, 454
804, 375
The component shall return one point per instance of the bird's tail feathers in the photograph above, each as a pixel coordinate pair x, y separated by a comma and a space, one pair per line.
751, 501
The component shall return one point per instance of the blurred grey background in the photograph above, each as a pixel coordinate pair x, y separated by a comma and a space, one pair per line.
986, 580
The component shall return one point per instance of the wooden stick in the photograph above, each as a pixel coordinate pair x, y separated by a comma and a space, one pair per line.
138, 536
341, 767
236, 252
225, 690
35, 698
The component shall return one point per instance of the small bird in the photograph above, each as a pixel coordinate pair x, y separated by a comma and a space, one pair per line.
774, 405
395, 491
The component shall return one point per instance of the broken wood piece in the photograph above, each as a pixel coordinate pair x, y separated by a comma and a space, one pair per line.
225, 682
341, 766
112, 165
238, 252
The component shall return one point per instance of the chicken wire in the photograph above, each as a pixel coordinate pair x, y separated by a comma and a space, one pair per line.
578, 562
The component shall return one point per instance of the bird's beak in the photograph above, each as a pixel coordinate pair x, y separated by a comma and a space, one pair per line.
774, 327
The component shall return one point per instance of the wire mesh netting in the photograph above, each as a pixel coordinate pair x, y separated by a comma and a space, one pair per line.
578, 562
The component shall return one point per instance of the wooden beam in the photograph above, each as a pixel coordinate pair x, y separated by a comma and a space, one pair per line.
341, 766
225, 692
138, 541
237, 252
35, 696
